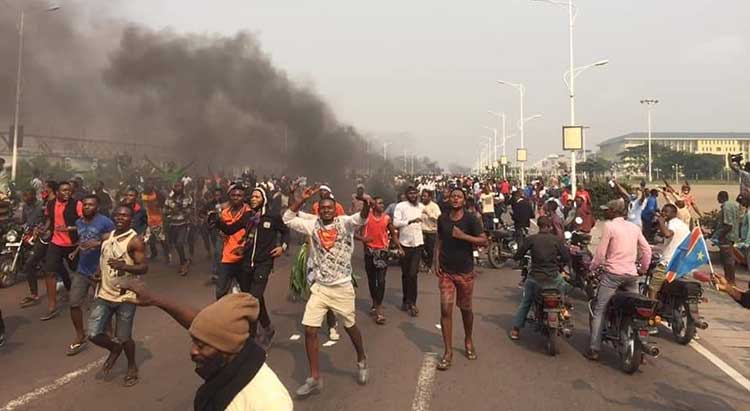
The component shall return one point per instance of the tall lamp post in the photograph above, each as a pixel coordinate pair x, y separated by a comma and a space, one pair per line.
521, 92
493, 151
16, 115
504, 159
569, 78
650, 103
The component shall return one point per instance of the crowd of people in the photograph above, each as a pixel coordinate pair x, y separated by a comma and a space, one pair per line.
94, 240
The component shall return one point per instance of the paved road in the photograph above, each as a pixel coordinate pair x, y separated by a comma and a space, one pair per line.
508, 375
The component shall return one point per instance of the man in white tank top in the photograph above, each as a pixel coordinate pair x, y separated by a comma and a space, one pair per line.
123, 257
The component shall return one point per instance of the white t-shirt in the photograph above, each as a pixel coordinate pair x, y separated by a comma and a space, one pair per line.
409, 235
488, 202
681, 231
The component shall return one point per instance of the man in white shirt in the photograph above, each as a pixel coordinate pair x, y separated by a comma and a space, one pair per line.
407, 218
674, 229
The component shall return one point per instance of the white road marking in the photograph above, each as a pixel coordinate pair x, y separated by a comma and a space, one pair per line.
718, 362
728, 370
425, 381
65, 379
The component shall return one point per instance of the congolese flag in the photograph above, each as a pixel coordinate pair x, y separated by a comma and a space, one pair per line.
690, 254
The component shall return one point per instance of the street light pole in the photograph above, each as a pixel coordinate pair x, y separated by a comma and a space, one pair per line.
17, 113
521, 91
650, 103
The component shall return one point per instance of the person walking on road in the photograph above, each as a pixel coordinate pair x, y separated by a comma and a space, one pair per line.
236, 376
265, 238
458, 233
331, 254
376, 236
91, 228
407, 218
177, 210
62, 214
726, 233
619, 248
430, 215
123, 256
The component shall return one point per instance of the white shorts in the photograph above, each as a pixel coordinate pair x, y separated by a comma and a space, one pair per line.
337, 298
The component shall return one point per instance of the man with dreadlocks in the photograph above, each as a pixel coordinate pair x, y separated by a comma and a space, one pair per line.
249, 256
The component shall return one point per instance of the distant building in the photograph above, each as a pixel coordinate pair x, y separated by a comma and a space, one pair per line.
698, 143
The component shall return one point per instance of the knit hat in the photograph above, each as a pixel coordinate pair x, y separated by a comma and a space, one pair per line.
225, 324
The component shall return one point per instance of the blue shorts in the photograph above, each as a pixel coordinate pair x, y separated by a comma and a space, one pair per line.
101, 314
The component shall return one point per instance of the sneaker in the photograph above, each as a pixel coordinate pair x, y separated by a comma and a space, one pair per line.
333, 335
311, 386
362, 373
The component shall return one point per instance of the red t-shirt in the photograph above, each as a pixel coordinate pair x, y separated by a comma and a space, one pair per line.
505, 187
62, 238
377, 229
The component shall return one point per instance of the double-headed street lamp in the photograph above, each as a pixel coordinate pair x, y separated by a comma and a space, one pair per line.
16, 115
569, 79
521, 92
493, 152
650, 103
504, 158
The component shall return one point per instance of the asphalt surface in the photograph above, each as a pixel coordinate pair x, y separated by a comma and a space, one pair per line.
507, 376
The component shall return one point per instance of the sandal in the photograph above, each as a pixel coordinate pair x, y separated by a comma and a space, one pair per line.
471, 354
444, 363
379, 319
29, 301
130, 380
75, 348
515, 334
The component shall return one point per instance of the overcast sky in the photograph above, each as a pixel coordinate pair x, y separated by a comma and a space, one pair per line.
429, 67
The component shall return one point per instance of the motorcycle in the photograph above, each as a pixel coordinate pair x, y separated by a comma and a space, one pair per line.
678, 304
503, 244
580, 260
628, 321
550, 318
18, 245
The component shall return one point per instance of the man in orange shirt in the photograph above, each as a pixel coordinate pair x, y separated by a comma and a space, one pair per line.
231, 256
62, 214
154, 201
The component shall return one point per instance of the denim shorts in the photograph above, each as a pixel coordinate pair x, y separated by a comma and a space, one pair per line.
101, 314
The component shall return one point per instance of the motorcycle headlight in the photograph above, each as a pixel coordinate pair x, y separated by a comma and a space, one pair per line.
11, 236
513, 247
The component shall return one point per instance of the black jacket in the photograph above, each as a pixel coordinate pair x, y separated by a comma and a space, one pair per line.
70, 215
269, 233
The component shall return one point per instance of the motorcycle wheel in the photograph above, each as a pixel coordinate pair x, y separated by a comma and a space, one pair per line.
551, 345
494, 255
7, 276
683, 326
630, 349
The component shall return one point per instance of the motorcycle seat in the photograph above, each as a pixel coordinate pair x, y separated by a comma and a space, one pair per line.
682, 288
502, 234
630, 300
547, 292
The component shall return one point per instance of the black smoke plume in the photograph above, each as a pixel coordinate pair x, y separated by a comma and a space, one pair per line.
212, 98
